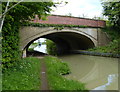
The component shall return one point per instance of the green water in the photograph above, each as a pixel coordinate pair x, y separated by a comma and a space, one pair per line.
99, 73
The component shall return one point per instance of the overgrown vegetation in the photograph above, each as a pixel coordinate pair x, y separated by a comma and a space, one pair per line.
112, 31
56, 68
10, 45
113, 46
24, 76
21, 13
51, 47
57, 26
111, 10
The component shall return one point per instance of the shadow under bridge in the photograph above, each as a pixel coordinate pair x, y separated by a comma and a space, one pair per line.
69, 41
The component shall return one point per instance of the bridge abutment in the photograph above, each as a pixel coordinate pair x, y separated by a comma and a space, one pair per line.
103, 38
24, 53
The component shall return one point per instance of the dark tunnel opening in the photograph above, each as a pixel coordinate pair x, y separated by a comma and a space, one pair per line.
67, 41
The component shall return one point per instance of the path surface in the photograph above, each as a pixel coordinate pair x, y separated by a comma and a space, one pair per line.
44, 81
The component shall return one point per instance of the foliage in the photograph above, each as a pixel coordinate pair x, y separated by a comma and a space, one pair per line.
112, 11
18, 15
51, 47
43, 43
10, 45
112, 32
27, 10
32, 46
113, 47
0, 42
25, 76
61, 26
30, 49
54, 71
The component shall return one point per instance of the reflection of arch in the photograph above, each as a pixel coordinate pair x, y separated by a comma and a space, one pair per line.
48, 32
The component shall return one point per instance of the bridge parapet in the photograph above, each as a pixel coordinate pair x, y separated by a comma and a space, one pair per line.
67, 20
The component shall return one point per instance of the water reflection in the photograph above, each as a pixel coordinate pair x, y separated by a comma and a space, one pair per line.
41, 48
112, 80
99, 73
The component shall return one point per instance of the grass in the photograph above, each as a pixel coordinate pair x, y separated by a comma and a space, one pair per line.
112, 47
25, 76
55, 70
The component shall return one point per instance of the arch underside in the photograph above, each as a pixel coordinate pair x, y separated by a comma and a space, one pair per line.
67, 41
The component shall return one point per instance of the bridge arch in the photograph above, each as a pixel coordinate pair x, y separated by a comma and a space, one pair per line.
65, 39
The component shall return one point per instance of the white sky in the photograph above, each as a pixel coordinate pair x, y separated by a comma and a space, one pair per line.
41, 40
90, 8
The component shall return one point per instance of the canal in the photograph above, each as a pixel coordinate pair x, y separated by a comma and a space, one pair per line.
98, 73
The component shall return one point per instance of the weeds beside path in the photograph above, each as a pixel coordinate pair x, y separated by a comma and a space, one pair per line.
24, 76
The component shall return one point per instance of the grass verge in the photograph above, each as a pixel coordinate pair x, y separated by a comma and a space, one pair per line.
25, 76
112, 47
55, 70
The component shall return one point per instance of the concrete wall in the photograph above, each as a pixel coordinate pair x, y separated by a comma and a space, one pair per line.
103, 38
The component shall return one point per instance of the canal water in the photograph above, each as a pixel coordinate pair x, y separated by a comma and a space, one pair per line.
98, 73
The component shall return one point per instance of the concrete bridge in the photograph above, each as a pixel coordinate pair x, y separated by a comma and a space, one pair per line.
66, 39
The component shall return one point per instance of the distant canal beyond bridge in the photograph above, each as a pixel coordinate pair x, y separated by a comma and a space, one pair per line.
99, 73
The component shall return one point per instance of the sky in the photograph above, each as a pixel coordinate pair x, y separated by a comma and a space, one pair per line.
90, 8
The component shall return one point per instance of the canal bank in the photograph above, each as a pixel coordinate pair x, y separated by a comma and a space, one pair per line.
83, 52
99, 73
98, 70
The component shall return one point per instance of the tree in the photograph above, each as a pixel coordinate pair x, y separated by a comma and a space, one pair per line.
21, 13
112, 11
2, 16
27, 10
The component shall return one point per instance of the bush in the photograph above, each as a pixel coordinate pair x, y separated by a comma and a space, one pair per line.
112, 47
